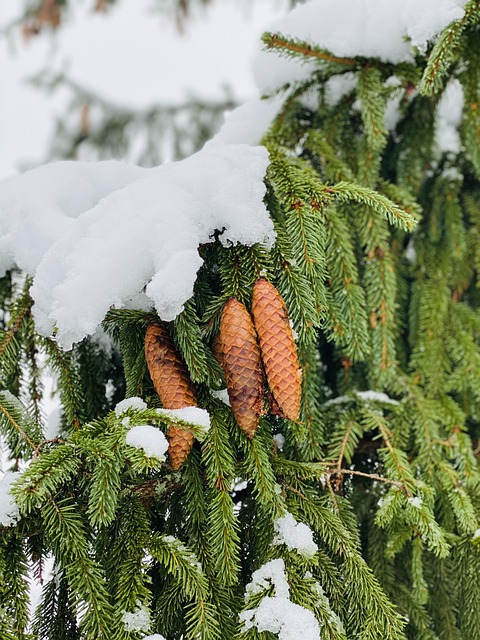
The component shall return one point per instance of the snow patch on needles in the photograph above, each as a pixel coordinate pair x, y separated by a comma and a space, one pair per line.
156, 636
137, 404
221, 394
415, 501
375, 396
366, 396
9, 512
278, 614
150, 439
138, 230
138, 620
281, 616
349, 28
192, 415
295, 535
270, 574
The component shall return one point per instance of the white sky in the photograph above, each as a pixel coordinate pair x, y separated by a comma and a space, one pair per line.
132, 56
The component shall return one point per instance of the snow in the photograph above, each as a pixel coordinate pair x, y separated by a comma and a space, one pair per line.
278, 614
150, 439
337, 87
138, 620
270, 574
134, 403
9, 512
415, 501
295, 535
449, 117
193, 415
476, 534
410, 252
272, 72
88, 254
392, 109
453, 173
324, 602
281, 616
248, 122
39, 205
221, 394
367, 396
375, 396
54, 424
348, 28
279, 440
156, 636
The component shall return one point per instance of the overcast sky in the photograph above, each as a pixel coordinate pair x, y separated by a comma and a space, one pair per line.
131, 56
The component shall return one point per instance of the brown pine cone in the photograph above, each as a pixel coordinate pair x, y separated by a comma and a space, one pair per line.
242, 365
172, 383
279, 352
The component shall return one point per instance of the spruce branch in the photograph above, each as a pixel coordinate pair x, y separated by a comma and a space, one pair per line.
297, 47
444, 53
345, 192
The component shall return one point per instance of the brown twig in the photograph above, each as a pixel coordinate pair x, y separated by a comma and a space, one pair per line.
45, 442
372, 476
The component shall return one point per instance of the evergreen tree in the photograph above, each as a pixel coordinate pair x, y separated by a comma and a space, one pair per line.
350, 513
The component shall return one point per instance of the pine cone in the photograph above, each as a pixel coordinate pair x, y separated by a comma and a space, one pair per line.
279, 353
242, 365
172, 383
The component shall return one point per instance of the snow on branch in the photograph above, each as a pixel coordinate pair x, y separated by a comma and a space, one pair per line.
390, 31
102, 235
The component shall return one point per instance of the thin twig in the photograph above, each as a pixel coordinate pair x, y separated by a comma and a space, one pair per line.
45, 442
371, 476
307, 50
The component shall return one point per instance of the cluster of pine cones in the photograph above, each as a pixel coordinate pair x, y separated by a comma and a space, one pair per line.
248, 350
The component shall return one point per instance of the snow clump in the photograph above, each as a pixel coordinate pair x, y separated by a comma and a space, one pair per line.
193, 415
295, 535
103, 235
138, 620
137, 404
221, 394
9, 512
277, 613
150, 439
415, 501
